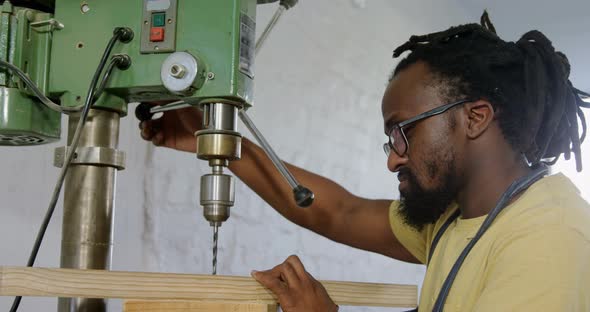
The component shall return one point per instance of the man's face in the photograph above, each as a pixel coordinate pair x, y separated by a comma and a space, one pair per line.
428, 172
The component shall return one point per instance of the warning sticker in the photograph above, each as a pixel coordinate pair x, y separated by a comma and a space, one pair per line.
247, 45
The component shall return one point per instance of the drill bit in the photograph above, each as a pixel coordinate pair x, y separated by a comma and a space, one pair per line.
215, 239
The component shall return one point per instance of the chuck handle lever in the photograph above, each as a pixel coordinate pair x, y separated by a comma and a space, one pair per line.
303, 196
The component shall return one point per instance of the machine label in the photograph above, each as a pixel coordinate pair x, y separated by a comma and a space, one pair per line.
247, 45
158, 5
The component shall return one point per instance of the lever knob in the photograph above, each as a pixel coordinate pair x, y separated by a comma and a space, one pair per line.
303, 196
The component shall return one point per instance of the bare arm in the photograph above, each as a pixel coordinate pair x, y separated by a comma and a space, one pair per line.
335, 213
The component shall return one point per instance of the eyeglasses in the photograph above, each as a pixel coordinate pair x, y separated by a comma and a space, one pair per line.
398, 141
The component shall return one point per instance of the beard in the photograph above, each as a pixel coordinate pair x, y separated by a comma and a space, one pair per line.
420, 206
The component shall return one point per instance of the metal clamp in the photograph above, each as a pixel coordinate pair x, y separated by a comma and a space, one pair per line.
52, 24
93, 155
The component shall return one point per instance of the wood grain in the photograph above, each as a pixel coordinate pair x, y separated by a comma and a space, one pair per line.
44, 282
195, 306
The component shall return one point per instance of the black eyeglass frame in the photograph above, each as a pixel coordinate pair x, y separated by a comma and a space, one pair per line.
387, 147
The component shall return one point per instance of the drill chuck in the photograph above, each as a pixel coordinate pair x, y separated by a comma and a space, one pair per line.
218, 142
217, 197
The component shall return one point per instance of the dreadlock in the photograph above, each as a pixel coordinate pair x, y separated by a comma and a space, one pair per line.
526, 81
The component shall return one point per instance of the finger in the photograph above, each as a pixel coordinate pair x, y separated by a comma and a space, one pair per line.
158, 139
275, 272
146, 130
290, 274
297, 266
271, 280
149, 128
147, 134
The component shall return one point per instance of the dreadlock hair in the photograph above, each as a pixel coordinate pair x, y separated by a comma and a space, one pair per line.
526, 81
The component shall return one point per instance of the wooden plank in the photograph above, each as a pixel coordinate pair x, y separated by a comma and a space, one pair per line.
194, 306
44, 282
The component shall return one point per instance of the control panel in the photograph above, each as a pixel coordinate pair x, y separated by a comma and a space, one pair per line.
158, 31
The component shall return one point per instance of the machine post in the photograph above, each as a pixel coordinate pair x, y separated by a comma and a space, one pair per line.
89, 208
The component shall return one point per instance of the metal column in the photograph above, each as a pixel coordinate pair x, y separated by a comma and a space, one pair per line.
89, 194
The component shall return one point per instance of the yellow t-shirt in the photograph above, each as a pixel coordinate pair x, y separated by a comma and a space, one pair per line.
534, 257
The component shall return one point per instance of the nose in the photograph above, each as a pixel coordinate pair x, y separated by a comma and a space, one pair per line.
395, 162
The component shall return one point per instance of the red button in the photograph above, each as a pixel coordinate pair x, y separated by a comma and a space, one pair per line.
157, 34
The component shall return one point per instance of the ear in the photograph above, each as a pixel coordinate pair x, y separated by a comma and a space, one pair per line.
480, 115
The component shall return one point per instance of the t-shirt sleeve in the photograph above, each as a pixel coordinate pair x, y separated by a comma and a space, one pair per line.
542, 270
413, 240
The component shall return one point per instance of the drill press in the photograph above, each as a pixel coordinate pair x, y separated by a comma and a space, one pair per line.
219, 142
197, 53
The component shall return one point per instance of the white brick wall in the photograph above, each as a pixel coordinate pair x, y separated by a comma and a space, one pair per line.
319, 81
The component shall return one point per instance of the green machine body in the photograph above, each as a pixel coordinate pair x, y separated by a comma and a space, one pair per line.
196, 51
25, 41
213, 39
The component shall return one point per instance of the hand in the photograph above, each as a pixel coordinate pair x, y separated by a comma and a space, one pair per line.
296, 290
175, 129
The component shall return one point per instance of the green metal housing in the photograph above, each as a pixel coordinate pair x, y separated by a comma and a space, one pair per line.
26, 43
219, 33
207, 29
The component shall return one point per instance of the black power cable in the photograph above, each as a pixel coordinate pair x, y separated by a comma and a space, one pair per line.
122, 62
36, 91
125, 35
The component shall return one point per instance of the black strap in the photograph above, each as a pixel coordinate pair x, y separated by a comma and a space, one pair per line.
437, 237
441, 231
515, 188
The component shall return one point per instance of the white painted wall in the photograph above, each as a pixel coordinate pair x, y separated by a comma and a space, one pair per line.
319, 81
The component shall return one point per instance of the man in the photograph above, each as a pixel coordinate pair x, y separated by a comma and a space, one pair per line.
467, 115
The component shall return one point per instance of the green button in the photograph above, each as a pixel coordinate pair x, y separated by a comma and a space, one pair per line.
158, 19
